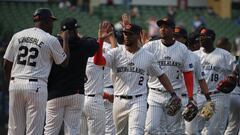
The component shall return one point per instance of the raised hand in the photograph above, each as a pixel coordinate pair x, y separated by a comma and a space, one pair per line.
105, 30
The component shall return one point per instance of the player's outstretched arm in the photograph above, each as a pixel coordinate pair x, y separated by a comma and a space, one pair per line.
98, 57
103, 32
188, 78
7, 69
65, 37
113, 41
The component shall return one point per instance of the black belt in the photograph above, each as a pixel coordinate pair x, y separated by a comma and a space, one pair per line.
111, 86
128, 97
91, 95
184, 95
211, 93
157, 89
30, 80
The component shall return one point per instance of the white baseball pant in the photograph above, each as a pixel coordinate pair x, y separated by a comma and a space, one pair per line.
27, 106
217, 124
93, 116
234, 116
65, 109
158, 122
129, 115
110, 127
190, 127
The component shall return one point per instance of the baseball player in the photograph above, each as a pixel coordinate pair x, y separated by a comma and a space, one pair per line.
131, 65
66, 85
173, 57
234, 114
193, 41
180, 34
27, 63
108, 94
216, 64
93, 115
224, 43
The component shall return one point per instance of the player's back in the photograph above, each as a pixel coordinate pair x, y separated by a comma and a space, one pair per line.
32, 54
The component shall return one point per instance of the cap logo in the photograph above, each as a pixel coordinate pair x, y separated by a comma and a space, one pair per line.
76, 24
64, 27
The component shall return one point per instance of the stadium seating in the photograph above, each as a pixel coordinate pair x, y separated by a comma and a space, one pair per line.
16, 16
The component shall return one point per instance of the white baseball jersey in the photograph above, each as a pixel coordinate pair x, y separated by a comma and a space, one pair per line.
131, 70
93, 116
107, 70
173, 60
93, 73
32, 52
216, 65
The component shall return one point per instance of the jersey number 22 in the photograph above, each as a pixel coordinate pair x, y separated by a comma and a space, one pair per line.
24, 59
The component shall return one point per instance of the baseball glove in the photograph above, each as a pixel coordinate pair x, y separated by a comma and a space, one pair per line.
190, 111
207, 110
227, 85
174, 105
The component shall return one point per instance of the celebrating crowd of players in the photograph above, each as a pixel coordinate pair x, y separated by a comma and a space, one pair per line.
119, 84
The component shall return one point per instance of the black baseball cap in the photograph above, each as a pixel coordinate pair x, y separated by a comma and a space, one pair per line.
132, 28
208, 32
193, 37
180, 31
43, 14
69, 23
166, 21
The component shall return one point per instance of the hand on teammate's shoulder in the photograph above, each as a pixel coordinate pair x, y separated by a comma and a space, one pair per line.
65, 35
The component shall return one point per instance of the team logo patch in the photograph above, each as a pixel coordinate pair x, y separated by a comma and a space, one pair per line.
191, 65
131, 64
